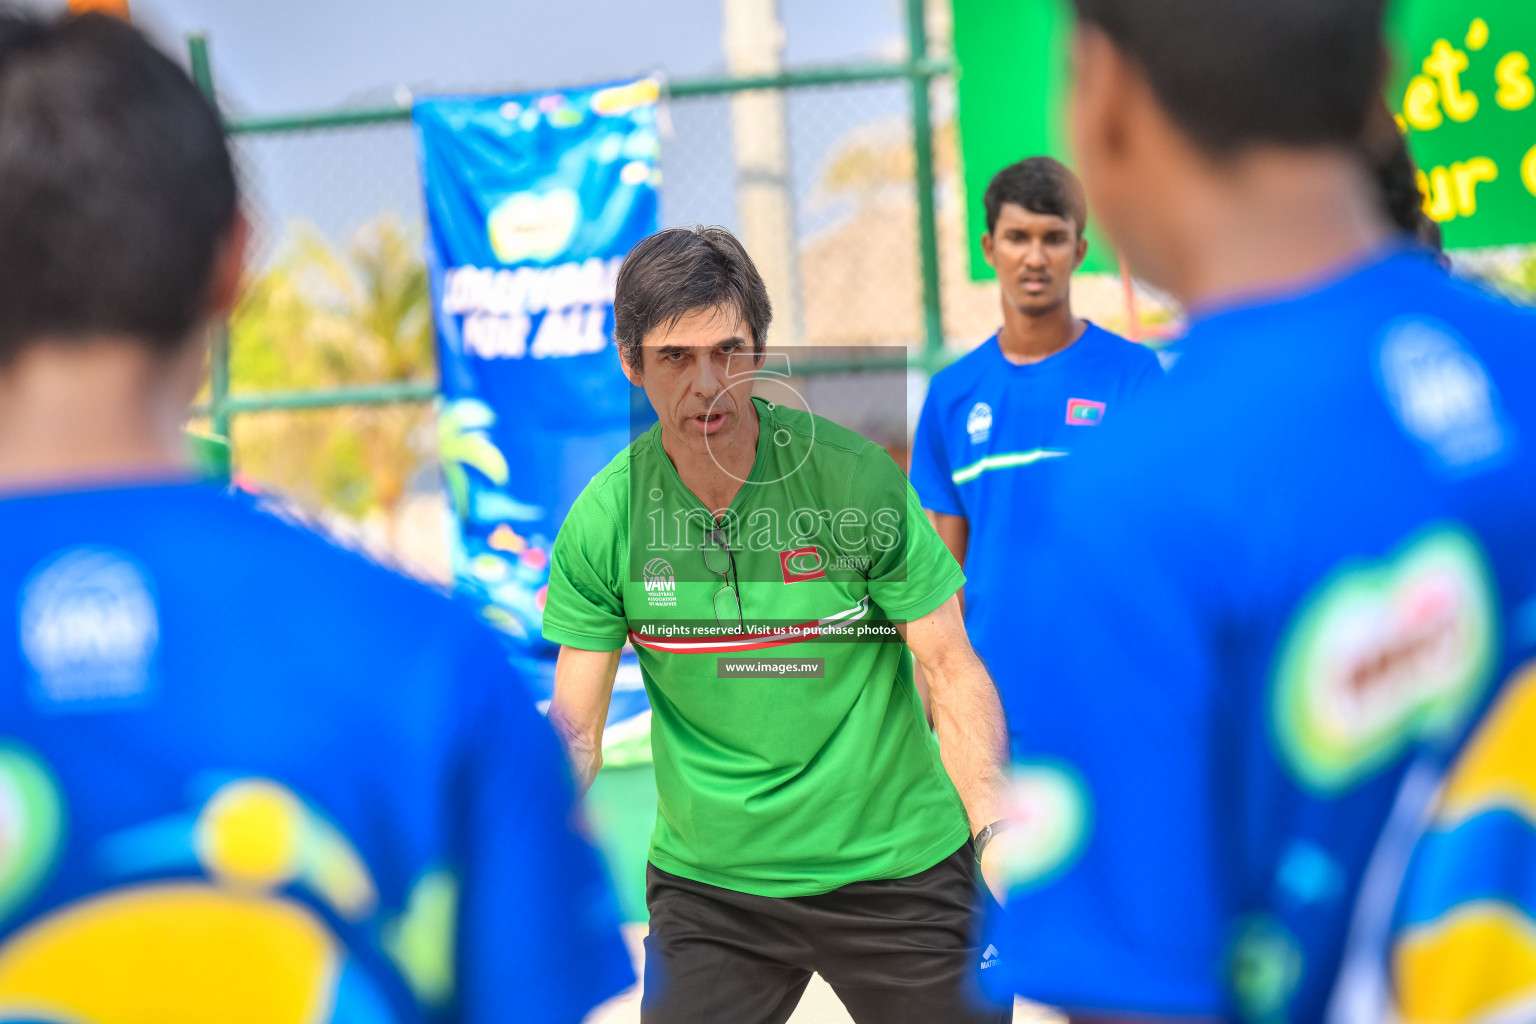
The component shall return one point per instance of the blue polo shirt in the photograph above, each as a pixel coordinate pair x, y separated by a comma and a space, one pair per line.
247, 775
1277, 581
990, 446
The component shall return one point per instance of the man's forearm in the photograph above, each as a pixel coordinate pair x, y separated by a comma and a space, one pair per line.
973, 736
584, 751
579, 707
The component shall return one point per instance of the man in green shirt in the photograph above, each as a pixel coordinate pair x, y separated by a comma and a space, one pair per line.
773, 571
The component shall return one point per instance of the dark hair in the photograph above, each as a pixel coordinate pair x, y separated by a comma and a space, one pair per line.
1234, 73
1397, 176
1040, 184
115, 186
678, 271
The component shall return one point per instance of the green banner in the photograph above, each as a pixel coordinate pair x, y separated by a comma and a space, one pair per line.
1463, 89
1012, 56
1463, 86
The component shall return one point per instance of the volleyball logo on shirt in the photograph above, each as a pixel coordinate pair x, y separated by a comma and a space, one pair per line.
660, 583
1441, 395
802, 564
979, 423
89, 628
1084, 412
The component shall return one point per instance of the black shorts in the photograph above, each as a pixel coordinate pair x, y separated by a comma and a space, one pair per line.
899, 951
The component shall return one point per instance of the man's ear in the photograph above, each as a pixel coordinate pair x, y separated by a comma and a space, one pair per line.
631, 373
1082, 251
986, 249
228, 268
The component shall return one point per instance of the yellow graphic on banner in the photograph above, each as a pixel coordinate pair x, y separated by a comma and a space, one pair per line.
1465, 98
1516, 90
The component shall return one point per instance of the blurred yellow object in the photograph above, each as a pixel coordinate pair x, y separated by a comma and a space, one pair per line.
1477, 963
1495, 771
172, 954
249, 834
116, 8
1469, 955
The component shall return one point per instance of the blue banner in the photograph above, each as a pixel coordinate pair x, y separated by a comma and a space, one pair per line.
532, 201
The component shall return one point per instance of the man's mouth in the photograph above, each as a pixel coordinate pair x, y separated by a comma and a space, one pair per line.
1035, 285
708, 422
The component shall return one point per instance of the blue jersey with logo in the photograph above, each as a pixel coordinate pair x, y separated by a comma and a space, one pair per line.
245, 775
990, 445
1461, 946
1275, 582
1445, 929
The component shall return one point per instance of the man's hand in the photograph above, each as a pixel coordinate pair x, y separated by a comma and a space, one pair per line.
579, 708
967, 715
991, 867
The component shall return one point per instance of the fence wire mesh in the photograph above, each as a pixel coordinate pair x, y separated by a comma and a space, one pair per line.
817, 180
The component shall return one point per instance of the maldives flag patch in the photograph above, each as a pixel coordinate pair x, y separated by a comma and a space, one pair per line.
1082, 412
801, 564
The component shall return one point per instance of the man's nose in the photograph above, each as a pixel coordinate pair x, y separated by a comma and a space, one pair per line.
710, 379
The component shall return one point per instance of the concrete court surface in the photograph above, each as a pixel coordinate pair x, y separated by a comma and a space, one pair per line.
818, 1006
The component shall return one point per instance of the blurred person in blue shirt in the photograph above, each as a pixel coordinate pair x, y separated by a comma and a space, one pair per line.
1286, 574
244, 775
997, 423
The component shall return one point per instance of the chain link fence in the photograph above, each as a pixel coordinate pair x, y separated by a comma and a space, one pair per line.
338, 295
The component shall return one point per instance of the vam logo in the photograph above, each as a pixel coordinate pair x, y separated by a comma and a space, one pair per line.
979, 423
1441, 395
89, 628
660, 583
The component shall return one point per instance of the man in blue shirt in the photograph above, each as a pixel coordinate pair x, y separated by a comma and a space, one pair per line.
997, 423
1284, 575
244, 775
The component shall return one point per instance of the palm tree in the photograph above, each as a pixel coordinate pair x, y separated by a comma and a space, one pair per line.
462, 442
319, 317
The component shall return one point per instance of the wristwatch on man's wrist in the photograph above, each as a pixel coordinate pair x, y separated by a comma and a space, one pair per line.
986, 835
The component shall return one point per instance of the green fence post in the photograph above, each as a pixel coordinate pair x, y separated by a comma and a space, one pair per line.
218, 356
920, 74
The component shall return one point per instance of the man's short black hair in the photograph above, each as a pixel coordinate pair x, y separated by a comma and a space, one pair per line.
1040, 184
680, 271
116, 186
1234, 73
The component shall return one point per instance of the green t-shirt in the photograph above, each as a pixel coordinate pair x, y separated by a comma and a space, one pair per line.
778, 786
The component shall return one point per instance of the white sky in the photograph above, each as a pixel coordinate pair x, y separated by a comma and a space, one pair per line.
274, 56
290, 56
